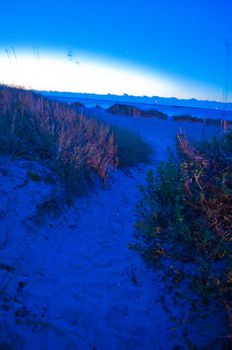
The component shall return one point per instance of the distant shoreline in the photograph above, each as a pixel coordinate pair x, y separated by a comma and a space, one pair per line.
170, 110
155, 100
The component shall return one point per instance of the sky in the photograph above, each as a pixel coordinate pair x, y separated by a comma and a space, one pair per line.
177, 48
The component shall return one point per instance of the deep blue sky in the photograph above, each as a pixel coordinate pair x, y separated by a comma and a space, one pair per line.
182, 38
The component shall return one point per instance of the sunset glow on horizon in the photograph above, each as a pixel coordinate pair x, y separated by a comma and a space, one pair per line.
44, 70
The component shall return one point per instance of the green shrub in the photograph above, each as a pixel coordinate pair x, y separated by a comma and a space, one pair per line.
131, 148
184, 221
34, 176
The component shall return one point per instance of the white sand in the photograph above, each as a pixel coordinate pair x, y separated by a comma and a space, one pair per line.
81, 287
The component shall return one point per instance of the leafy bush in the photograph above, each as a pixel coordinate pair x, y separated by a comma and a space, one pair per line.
184, 221
131, 148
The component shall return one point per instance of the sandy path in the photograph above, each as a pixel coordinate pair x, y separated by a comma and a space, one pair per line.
81, 279
75, 283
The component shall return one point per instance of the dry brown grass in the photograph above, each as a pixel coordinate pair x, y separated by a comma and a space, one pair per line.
34, 127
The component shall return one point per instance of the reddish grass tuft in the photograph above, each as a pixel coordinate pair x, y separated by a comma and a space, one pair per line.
34, 127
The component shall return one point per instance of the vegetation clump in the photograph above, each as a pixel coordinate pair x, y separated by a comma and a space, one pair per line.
34, 176
123, 109
77, 104
36, 128
131, 148
184, 222
207, 121
77, 148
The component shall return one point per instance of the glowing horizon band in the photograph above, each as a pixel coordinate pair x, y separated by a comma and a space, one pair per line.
57, 72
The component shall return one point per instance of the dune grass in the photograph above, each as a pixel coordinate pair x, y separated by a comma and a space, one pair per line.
184, 223
35, 128
77, 148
